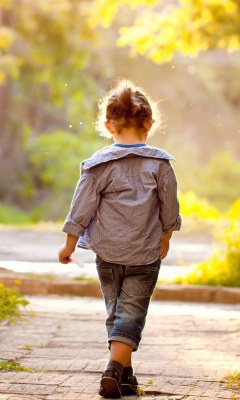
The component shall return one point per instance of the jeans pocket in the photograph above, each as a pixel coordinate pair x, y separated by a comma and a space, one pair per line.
141, 280
107, 281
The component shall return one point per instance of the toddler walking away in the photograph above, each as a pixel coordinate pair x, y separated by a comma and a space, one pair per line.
125, 209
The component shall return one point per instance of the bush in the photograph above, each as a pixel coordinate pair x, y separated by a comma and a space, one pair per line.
218, 181
198, 215
215, 180
200, 209
223, 268
12, 216
10, 300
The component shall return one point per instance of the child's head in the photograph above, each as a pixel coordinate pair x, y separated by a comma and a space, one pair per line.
127, 106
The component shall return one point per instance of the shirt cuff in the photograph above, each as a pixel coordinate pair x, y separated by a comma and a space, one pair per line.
72, 228
175, 227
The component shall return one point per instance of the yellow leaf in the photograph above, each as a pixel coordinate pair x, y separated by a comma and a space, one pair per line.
6, 4
7, 37
234, 43
206, 15
231, 6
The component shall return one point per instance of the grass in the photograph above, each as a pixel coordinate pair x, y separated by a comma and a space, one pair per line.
84, 278
10, 301
141, 389
50, 276
39, 226
46, 276
7, 366
232, 380
27, 347
13, 216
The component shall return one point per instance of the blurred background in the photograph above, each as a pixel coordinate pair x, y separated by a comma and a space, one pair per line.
58, 57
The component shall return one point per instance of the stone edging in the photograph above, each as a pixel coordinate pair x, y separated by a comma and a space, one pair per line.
167, 292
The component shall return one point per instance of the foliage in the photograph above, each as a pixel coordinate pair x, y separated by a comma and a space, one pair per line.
51, 79
104, 11
189, 26
12, 216
141, 390
44, 276
13, 366
84, 278
27, 347
10, 300
233, 396
45, 84
231, 380
196, 207
197, 213
41, 54
223, 268
217, 181
55, 161
57, 157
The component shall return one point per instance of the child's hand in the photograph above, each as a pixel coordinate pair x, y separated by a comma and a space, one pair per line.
67, 249
64, 254
164, 245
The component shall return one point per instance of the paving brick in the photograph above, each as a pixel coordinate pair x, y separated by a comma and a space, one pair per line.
4, 387
185, 349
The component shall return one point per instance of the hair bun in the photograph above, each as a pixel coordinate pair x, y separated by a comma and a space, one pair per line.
126, 105
125, 98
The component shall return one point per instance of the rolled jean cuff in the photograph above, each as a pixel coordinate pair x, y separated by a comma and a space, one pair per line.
123, 339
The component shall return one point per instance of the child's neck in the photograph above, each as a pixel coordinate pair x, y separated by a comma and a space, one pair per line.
129, 137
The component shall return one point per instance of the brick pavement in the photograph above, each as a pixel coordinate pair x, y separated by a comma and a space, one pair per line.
186, 349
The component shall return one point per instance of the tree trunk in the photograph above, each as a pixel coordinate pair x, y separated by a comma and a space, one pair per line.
10, 170
5, 137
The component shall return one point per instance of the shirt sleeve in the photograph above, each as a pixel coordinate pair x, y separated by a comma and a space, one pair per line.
83, 206
169, 205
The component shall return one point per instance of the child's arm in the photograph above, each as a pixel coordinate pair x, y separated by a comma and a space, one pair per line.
169, 209
83, 206
67, 249
164, 245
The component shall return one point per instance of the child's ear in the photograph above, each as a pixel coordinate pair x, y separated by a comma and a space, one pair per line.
110, 127
148, 124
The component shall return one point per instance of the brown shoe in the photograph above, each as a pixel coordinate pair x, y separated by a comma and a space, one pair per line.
129, 385
110, 386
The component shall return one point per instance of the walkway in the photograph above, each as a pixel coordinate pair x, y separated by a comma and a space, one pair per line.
186, 349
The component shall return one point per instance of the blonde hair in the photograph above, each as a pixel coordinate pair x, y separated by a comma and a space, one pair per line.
127, 105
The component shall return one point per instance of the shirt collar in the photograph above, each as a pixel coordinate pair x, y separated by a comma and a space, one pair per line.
110, 153
129, 146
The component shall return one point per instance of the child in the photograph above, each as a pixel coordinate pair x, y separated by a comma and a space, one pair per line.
125, 209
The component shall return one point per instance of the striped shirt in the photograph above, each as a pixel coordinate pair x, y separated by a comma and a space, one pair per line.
124, 201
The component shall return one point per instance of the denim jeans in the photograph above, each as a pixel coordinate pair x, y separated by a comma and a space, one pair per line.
127, 292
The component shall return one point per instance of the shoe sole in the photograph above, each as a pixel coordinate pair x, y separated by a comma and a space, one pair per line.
128, 389
109, 388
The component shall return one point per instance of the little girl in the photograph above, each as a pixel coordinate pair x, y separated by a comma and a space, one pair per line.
125, 209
